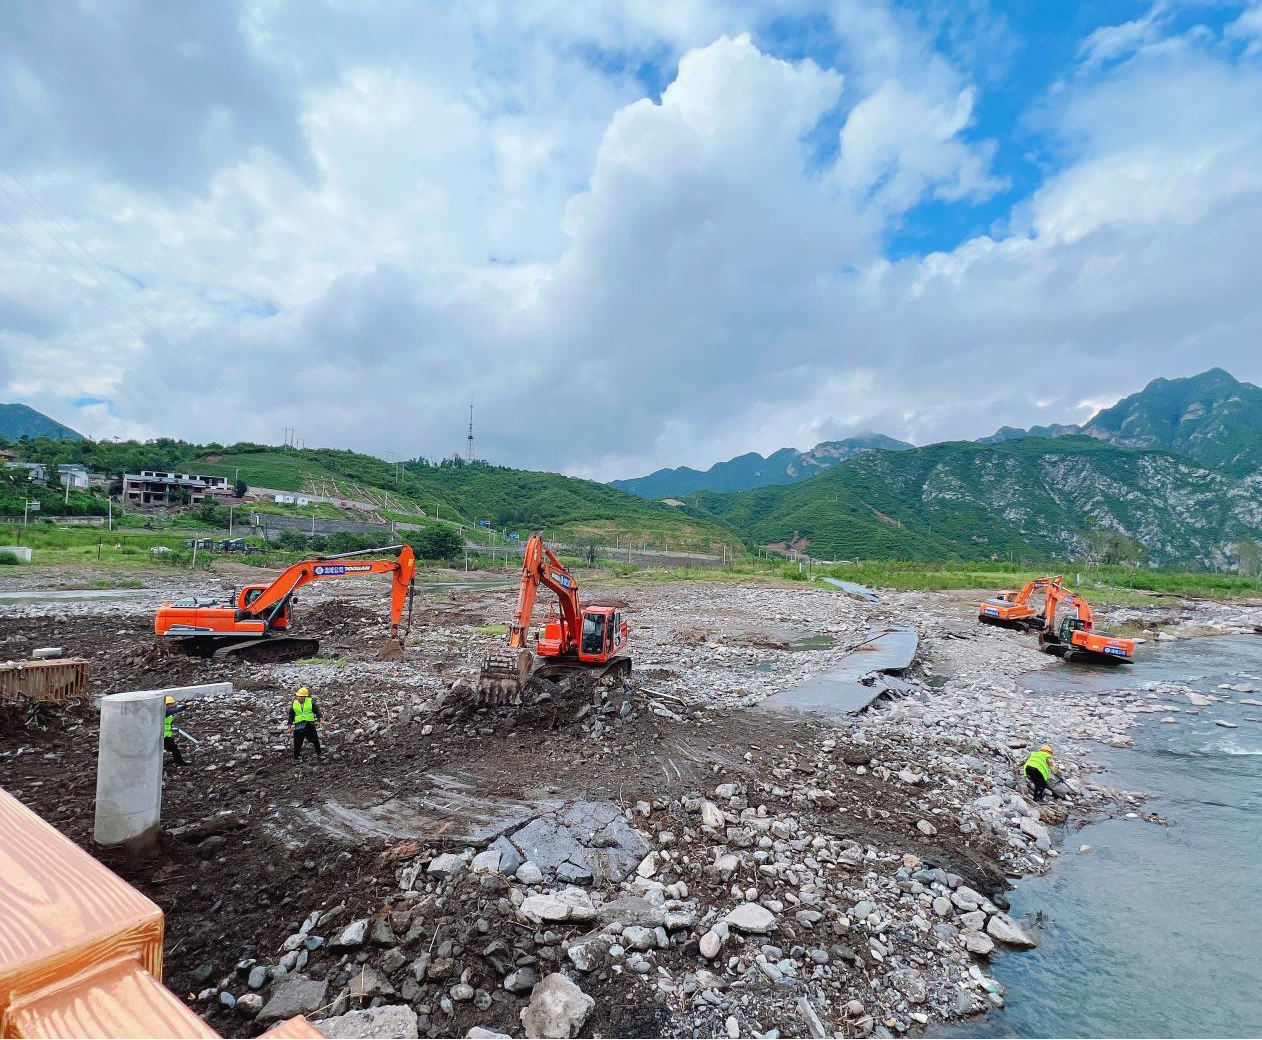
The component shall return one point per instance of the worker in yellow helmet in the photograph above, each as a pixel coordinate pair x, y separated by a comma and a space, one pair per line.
303, 715
168, 731
1039, 770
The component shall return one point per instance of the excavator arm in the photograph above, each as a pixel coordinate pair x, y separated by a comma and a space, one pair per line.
1030, 587
273, 598
1058, 594
541, 567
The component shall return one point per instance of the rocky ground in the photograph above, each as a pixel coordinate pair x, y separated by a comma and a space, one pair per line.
655, 857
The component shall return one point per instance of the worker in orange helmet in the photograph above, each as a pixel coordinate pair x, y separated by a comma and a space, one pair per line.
303, 715
168, 731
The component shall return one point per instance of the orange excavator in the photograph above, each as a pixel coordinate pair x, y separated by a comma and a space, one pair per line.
1077, 638
254, 624
1010, 608
587, 638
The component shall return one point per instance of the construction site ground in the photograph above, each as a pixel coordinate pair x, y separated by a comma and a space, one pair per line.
253, 842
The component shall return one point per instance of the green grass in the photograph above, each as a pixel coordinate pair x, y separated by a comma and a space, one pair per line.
492, 630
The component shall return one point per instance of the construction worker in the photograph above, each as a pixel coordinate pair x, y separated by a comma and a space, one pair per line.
1039, 770
303, 715
168, 731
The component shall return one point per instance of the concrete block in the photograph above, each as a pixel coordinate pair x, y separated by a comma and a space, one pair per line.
193, 693
129, 768
42, 653
22, 552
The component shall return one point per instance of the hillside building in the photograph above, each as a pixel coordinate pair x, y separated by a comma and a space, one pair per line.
158, 488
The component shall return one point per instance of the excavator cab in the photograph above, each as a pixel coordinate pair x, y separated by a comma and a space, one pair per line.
604, 634
1069, 626
249, 593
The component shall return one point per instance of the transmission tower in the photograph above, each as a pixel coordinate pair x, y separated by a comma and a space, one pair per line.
469, 440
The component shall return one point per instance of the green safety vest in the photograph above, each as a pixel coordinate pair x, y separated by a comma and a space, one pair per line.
168, 725
304, 711
1041, 761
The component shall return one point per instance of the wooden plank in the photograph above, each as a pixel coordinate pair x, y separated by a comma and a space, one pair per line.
116, 999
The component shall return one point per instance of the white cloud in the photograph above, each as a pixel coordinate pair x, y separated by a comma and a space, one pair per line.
444, 202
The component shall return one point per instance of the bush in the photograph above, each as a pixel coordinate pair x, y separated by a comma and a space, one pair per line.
436, 543
7, 559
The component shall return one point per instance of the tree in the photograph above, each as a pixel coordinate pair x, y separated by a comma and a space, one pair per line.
436, 543
1248, 556
240, 488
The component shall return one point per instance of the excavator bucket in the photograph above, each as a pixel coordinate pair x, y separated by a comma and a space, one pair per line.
392, 651
504, 676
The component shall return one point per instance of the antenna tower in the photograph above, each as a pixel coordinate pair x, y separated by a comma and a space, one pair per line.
469, 439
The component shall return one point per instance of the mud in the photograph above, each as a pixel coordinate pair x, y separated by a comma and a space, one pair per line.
254, 842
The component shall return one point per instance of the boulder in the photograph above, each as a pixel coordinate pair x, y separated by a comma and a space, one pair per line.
711, 815
368, 982
296, 995
570, 904
445, 865
510, 858
523, 980
352, 935
1004, 929
249, 1004
390, 1020
711, 944
751, 917
557, 1009
487, 862
978, 942
529, 873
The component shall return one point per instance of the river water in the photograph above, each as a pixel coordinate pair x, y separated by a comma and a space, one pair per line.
1156, 931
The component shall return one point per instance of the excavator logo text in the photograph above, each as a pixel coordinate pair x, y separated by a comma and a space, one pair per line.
327, 569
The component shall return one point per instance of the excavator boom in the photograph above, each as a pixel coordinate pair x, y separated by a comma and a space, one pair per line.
1011, 609
247, 627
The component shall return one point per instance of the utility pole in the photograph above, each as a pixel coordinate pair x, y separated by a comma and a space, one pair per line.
110, 500
230, 510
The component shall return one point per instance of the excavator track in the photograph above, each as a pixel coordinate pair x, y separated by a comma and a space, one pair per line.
268, 650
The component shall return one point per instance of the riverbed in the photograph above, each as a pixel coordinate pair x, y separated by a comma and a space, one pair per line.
1154, 930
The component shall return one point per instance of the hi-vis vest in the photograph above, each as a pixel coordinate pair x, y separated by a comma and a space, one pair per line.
1041, 761
168, 726
304, 711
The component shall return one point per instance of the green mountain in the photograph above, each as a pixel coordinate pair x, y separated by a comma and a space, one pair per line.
786, 466
1030, 497
19, 420
567, 508
1212, 418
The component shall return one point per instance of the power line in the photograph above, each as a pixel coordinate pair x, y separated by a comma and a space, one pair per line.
61, 245
68, 233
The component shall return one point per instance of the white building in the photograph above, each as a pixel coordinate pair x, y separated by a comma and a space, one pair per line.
73, 473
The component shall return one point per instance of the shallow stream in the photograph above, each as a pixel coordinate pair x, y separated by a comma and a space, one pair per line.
1156, 931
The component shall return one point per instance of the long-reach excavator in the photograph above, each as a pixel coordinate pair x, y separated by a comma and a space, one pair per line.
1077, 637
590, 638
1010, 608
254, 625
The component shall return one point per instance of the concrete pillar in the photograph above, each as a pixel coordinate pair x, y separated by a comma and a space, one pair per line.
129, 768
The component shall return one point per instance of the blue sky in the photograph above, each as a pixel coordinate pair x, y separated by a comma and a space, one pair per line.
710, 227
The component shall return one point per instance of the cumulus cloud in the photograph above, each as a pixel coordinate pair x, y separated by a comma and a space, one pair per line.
635, 235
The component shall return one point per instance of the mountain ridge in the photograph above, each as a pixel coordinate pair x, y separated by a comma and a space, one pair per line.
1212, 418
751, 470
20, 420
